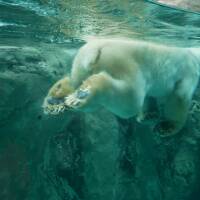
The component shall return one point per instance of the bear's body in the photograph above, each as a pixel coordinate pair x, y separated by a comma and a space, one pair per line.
119, 74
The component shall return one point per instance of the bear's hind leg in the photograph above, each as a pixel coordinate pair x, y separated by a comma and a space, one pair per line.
175, 110
175, 114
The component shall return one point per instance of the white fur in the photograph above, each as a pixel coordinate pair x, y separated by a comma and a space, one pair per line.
122, 73
152, 70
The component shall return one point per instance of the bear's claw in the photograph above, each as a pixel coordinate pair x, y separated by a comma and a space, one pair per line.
53, 109
78, 98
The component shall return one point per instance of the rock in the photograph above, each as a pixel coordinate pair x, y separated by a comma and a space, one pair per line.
26, 73
76, 156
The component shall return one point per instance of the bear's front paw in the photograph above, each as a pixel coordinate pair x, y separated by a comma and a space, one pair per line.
78, 99
53, 106
166, 128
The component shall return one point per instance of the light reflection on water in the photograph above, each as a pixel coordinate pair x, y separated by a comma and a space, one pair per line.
187, 5
61, 21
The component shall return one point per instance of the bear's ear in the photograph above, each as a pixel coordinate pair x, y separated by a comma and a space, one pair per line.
91, 58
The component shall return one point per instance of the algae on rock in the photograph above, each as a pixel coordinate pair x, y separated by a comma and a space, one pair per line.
77, 156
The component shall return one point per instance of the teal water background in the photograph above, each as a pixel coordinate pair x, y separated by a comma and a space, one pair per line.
63, 21
94, 156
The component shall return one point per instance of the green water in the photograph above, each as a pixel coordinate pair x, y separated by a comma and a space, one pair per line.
94, 156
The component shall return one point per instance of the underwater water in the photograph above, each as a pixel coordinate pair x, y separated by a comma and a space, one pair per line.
93, 156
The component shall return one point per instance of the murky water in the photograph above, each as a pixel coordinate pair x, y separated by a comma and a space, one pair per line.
95, 156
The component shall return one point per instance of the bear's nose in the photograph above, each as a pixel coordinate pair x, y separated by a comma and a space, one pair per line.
54, 101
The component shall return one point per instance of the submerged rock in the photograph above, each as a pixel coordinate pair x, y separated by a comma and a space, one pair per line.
76, 156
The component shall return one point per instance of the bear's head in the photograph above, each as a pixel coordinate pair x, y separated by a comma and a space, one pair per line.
54, 101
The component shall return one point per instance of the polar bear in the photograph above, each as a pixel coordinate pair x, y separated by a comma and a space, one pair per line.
120, 75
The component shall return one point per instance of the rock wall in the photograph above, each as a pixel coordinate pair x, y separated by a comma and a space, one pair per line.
77, 156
